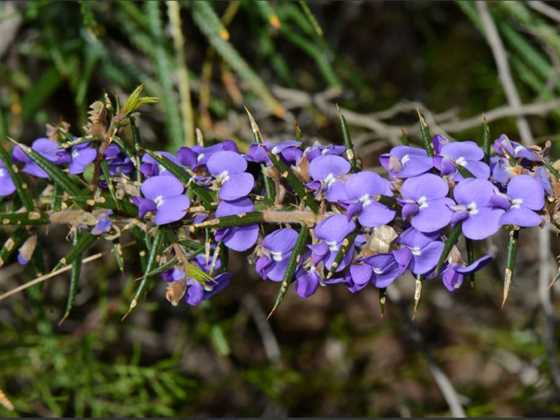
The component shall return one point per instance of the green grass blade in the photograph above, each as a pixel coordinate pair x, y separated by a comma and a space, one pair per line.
210, 25
164, 73
350, 153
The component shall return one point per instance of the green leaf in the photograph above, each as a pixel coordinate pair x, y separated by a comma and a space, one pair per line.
346, 244
297, 253
451, 240
25, 218
135, 101
74, 279
21, 186
117, 252
82, 244
511, 259
164, 71
231, 221
426, 135
151, 260
350, 153
486, 141
12, 244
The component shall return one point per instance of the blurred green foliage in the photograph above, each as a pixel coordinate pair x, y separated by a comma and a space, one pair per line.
338, 357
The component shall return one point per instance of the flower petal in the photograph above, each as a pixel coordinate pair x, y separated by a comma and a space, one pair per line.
527, 188
479, 191
226, 160
323, 166
242, 238
432, 218
370, 183
230, 208
161, 186
334, 228
172, 209
376, 214
281, 240
428, 259
237, 186
482, 225
522, 216
468, 150
429, 186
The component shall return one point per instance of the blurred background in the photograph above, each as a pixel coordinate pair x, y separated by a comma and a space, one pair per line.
291, 63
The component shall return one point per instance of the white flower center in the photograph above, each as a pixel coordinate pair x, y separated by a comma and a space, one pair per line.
377, 270
2, 172
333, 245
159, 200
516, 203
200, 157
161, 168
75, 154
365, 200
472, 208
275, 150
416, 251
329, 180
461, 161
277, 256
405, 159
223, 177
423, 202
324, 151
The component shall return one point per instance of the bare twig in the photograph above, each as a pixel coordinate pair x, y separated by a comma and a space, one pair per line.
504, 71
271, 347
442, 380
545, 9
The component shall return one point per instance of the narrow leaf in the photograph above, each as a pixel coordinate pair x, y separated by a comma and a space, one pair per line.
425, 134
451, 240
350, 153
143, 283
346, 244
486, 141
21, 186
12, 244
231, 221
297, 253
510, 262
74, 279
86, 239
25, 218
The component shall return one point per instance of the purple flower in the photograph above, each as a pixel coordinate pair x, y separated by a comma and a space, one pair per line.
229, 170
103, 224
289, 150
386, 268
426, 250
453, 275
331, 232
82, 155
476, 208
196, 292
307, 282
117, 160
7, 185
164, 197
466, 154
150, 167
325, 171
362, 190
49, 149
425, 199
526, 197
197, 156
278, 245
239, 238
317, 149
505, 147
406, 161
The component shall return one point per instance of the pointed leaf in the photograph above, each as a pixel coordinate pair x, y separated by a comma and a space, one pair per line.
426, 135
346, 244
510, 262
451, 240
12, 244
21, 186
74, 279
82, 244
297, 253
350, 153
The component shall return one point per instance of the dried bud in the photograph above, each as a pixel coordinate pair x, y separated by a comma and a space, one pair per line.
175, 291
27, 249
380, 240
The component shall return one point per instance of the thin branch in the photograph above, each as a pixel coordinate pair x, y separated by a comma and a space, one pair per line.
504, 71
545, 9
442, 380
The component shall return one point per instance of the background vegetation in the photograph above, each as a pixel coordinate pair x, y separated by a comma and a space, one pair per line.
290, 63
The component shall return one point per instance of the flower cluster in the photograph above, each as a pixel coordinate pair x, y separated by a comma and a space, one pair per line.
304, 215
